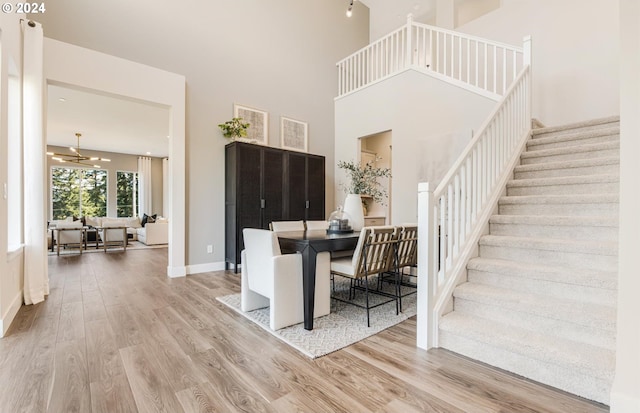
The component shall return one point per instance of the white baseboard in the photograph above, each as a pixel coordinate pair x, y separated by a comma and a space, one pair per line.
210, 266
8, 317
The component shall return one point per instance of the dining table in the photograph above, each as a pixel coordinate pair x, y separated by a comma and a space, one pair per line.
309, 244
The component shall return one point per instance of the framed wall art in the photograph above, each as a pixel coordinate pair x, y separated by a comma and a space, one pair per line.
293, 134
258, 120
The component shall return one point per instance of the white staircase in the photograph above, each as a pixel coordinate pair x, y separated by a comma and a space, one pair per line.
540, 300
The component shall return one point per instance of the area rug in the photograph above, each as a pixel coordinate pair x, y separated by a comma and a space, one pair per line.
345, 325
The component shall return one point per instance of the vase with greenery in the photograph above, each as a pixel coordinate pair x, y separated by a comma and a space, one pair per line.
363, 180
234, 128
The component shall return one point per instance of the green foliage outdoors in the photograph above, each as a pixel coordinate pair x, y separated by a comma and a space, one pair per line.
78, 192
126, 184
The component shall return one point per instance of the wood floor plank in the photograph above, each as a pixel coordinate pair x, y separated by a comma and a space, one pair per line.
102, 351
71, 322
126, 338
71, 392
93, 306
112, 395
200, 399
151, 390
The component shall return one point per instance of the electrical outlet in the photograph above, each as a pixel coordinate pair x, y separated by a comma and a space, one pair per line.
209, 249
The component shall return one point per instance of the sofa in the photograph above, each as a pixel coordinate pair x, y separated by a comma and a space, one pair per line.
154, 233
131, 223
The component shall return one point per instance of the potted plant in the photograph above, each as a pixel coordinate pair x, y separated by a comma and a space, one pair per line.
363, 180
234, 128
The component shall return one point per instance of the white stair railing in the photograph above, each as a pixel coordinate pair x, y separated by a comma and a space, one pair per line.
482, 65
452, 217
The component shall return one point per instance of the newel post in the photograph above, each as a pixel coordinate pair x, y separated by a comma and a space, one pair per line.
526, 60
426, 334
409, 56
526, 50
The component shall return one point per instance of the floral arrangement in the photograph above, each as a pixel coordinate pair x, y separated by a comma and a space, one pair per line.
364, 179
234, 128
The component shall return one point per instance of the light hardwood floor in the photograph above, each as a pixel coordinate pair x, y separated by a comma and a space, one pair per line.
116, 335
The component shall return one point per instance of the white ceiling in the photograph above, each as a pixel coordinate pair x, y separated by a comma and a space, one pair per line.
107, 123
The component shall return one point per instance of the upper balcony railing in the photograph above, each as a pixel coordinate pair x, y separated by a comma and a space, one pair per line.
481, 65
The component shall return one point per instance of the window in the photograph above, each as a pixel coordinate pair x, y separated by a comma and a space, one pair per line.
78, 192
126, 193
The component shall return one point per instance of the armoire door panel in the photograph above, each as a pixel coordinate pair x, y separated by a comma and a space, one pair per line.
297, 184
272, 186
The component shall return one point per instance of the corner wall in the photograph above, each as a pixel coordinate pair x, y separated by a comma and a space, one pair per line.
625, 394
575, 46
422, 113
11, 267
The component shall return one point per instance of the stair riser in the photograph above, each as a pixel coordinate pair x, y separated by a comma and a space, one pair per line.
550, 326
570, 156
612, 169
562, 377
577, 260
591, 128
580, 209
575, 232
567, 189
532, 146
569, 289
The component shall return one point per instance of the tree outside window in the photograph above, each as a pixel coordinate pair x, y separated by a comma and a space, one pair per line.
126, 193
78, 192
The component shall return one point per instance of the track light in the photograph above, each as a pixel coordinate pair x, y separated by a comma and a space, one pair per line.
350, 9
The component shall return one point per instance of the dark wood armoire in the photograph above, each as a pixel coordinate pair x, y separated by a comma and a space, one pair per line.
264, 184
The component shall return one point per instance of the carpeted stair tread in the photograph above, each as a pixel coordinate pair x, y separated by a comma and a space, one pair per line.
568, 150
549, 244
561, 199
588, 277
590, 360
582, 284
613, 132
577, 125
577, 163
563, 180
515, 302
555, 220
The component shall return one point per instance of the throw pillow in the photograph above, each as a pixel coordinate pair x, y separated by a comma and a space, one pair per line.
151, 219
145, 217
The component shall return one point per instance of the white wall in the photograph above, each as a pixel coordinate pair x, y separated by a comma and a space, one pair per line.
11, 268
575, 53
415, 108
625, 394
276, 55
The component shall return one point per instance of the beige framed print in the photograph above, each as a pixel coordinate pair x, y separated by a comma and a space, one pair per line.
258, 120
293, 134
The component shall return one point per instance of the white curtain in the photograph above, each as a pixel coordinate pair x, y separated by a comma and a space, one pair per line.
144, 186
165, 188
36, 278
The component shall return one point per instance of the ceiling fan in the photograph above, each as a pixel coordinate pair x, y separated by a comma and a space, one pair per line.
76, 157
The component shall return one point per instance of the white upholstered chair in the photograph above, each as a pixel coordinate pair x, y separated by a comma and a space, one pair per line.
272, 279
282, 226
316, 225
113, 234
69, 234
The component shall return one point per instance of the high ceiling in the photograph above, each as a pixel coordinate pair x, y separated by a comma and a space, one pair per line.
107, 123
